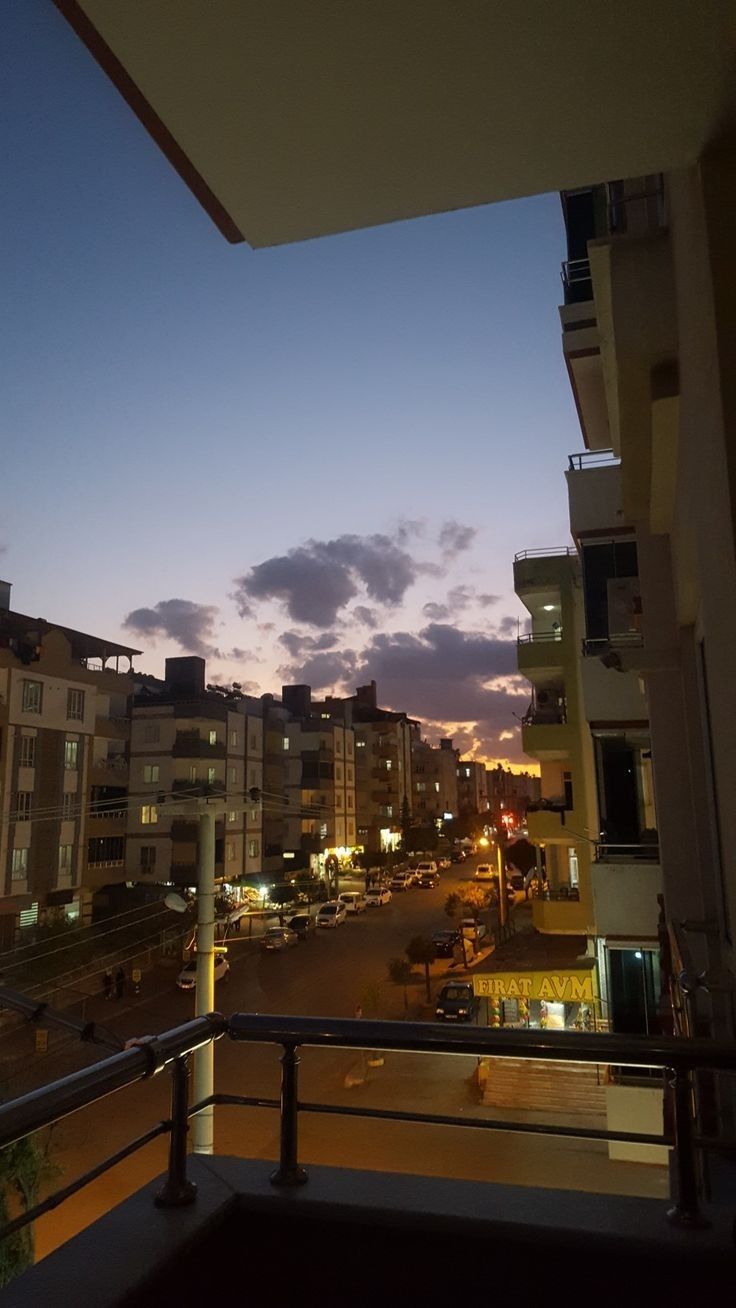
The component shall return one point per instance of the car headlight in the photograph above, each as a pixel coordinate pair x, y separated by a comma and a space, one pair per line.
440, 1012
462, 1012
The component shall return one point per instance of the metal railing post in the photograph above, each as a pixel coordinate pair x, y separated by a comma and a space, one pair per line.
177, 1190
288, 1171
686, 1211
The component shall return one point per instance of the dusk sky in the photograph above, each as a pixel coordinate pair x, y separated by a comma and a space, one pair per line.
308, 463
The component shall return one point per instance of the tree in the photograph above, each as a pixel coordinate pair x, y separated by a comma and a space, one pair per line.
470, 902
23, 1166
422, 951
399, 972
405, 823
521, 855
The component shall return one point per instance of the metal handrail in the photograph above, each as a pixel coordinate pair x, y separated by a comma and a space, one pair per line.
592, 459
534, 637
600, 644
678, 1058
573, 271
564, 551
607, 851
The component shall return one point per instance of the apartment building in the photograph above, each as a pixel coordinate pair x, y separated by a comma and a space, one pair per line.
188, 740
322, 788
63, 767
434, 780
511, 792
472, 787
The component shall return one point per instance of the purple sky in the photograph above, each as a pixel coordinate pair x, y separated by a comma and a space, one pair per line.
308, 463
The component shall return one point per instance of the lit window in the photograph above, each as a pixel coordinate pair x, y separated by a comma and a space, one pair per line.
286, 742
387, 764
23, 805
32, 696
65, 858
68, 806
71, 755
252, 849
150, 772
210, 775
28, 751
232, 817
437, 786
231, 774
19, 864
192, 772
75, 705
234, 739
360, 744
213, 737
149, 814
151, 733
254, 815
421, 786
148, 858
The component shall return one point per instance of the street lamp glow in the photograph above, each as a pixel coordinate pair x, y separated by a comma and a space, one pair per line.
483, 842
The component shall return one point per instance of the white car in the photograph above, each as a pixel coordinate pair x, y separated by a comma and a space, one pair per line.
484, 872
332, 914
429, 866
353, 901
401, 881
377, 897
187, 978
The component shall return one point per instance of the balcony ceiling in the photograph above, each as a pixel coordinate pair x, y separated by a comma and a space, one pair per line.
291, 121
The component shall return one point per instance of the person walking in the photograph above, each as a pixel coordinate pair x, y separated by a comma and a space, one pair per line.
119, 983
107, 983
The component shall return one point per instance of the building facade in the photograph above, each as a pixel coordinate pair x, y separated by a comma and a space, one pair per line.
434, 780
472, 790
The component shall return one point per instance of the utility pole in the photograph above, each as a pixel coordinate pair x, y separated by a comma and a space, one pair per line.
204, 1058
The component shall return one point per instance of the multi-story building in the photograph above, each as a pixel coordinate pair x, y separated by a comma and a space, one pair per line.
190, 741
63, 767
472, 790
322, 786
434, 780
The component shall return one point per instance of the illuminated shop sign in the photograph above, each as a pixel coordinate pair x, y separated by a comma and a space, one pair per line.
560, 987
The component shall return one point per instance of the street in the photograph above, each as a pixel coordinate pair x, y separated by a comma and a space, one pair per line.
330, 974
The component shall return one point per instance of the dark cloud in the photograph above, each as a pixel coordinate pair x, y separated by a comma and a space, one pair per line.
435, 612
297, 643
408, 528
324, 671
455, 537
508, 626
486, 600
191, 625
367, 616
317, 580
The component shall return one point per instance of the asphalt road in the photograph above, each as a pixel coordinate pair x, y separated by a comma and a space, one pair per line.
328, 975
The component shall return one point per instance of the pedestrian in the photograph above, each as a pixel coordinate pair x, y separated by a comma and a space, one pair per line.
107, 983
119, 983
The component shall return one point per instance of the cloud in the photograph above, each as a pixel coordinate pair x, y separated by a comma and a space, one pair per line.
190, 625
324, 671
297, 643
367, 616
435, 612
486, 600
508, 626
455, 538
317, 580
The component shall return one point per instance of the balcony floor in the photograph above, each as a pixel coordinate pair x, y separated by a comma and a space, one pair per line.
321, 1243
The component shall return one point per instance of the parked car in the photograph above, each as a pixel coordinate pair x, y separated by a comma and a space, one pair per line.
353, 900
377, 896
428, 865
401, 881
443, 864
332, 914
444, 943
485, 872
279, 938
303, 924
457, 856
456, 1002
187, 978
428, 880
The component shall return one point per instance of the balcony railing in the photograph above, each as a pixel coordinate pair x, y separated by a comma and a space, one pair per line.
538, 637
592, 459
574, 272
601, 644
563, 894
564, 551
616, 853
678, 1058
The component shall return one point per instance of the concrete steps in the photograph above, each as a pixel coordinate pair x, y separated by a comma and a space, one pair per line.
544, 1086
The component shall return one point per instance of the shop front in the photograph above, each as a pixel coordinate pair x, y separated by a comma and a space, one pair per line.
559, 1000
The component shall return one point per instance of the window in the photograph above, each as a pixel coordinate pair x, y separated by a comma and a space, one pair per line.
210, 776
421, 786
350, 774
338, 772
28, 751
234, 739
338, 744
148, 858
232, 817
253, 775
387, 764
68, 806
231, 776
350, 801
32, 696
437, 786
229, 851
75, 705
65, 859
71, 755
252, 849
253, 740
360, 744
151, 733
212, 737
254, 815
23, 805
149, 814
19, 864
285, 742
192, 771
150, 772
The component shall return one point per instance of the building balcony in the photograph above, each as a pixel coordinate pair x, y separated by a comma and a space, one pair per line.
562, 915
582, 354
169, 1242
197, 789
190, 744
110, 769
546, 740
112, 728
626, 880
546, 822
594, 492
542, 570
543, 655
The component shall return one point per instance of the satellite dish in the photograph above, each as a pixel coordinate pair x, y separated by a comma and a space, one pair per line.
176, 903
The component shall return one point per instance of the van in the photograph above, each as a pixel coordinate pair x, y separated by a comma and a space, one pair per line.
354, 902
